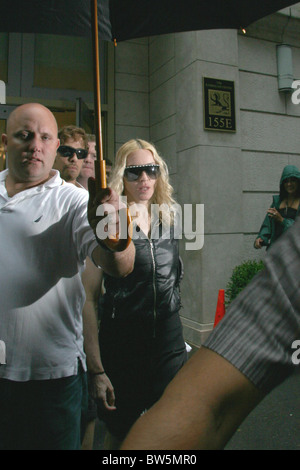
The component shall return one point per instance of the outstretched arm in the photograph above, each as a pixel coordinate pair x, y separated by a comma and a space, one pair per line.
100, 386
200, 409
120, 261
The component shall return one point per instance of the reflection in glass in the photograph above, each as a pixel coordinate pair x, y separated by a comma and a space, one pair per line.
3, 56
64, 62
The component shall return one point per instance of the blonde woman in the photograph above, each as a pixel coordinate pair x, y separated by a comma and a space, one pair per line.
141, 341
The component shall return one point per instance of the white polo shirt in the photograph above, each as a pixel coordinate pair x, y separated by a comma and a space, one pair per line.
45, 238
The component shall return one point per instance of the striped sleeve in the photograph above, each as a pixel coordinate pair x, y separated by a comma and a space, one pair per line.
258, 330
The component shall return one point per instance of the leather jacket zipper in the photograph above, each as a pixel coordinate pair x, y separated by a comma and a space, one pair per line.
154, 285
114, 306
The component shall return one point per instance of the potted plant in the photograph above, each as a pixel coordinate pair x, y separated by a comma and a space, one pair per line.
241, 276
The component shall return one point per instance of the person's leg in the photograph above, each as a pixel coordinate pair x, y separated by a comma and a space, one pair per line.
88, 423
60, 413
6, 416
42, 414
17, 410
89, 435
111, 442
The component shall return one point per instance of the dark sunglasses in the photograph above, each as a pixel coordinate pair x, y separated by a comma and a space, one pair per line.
68, 152
132, 173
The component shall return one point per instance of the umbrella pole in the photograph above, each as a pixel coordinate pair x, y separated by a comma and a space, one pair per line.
100, 164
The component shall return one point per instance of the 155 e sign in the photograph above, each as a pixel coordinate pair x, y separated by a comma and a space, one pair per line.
219, 105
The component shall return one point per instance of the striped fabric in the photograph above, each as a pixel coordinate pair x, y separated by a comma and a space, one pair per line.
258, 330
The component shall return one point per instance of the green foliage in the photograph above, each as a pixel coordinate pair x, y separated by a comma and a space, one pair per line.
241, 276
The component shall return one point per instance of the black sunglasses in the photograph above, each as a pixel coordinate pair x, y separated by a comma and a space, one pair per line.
67, 151
132, 173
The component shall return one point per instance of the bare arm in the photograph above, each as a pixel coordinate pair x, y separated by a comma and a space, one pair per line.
91, 279
118, 264
200, 409
101, 387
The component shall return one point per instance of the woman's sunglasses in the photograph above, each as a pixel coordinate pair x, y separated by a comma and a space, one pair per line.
68, 152
132, 173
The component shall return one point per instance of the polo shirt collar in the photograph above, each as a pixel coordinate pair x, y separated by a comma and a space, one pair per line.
53, 182
55, 179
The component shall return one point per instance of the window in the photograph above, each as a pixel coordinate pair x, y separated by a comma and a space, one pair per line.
63, 62
3, 56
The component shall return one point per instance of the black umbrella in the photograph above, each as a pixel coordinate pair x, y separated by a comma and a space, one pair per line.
119, 20
127, 19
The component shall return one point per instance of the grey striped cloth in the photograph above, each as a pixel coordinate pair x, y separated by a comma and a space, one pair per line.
258, 330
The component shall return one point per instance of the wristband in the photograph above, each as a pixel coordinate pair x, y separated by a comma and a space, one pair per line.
97, 373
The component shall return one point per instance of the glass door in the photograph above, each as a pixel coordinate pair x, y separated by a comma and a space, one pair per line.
2, 153
5, 110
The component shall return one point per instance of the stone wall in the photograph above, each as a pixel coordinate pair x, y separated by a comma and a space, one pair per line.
159, 96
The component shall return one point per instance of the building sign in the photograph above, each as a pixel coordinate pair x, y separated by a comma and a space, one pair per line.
219, 105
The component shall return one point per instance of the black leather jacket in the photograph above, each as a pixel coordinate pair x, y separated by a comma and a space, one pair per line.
150, 294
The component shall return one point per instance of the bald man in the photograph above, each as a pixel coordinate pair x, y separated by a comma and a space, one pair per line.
47, 231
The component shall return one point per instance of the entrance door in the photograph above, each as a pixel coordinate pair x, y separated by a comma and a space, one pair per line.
2, 153
5, 110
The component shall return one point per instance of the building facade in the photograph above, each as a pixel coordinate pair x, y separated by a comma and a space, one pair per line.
154, 89
160, 96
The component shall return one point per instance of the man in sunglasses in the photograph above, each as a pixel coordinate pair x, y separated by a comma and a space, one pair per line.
88, 167
71, 153
47, 229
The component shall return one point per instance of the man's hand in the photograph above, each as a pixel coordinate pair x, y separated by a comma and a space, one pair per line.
107, 216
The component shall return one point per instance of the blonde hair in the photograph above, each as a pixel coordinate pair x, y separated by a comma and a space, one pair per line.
163, 190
